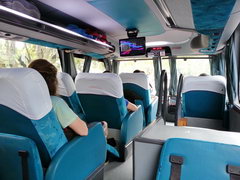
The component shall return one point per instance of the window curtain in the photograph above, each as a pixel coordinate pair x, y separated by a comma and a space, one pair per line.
115, 66
107, 64
157, 70
217, 64
87, 63
173, 76
67, 63
231, 67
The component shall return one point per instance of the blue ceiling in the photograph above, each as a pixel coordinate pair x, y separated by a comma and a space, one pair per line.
131, 14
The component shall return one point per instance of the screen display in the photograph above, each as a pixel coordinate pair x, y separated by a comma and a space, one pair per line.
132, 46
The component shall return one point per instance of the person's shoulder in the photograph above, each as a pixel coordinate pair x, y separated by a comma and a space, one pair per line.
56, 100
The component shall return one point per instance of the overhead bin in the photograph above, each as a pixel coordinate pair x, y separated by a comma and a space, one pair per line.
14, 22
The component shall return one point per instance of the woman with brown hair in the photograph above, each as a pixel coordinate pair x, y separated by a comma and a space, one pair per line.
66, 117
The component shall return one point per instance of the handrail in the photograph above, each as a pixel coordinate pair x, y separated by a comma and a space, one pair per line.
178, 100
162, 96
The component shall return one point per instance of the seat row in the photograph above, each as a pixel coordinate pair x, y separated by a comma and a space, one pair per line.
100, 97
32, 140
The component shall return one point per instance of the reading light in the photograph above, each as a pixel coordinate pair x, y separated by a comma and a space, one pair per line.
51, 25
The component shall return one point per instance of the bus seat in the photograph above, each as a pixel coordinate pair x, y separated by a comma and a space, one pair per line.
101, 96
193, 159
136, 88
203, 101
67, 91
26, 110
13, 151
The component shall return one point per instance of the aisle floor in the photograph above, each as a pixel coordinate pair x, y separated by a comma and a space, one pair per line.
119, 170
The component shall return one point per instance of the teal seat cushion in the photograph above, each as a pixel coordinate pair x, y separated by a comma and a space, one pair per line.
201, 159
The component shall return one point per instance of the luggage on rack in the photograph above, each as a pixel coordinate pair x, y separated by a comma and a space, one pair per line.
22, 6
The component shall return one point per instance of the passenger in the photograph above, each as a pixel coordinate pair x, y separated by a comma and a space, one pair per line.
69, 121
130, 106
139, 71
203, 74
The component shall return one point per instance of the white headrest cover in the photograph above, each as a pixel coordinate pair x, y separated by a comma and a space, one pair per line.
99, 83
205, 83
66, 86
140, 79
25, 91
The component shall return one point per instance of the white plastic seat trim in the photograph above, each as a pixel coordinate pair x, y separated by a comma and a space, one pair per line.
205, 83
100, 84
140, 79
25, 91
66, 86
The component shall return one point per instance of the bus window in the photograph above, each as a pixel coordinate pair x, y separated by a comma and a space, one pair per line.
143, 65
19, 54
97, 66
79, 62
194, 66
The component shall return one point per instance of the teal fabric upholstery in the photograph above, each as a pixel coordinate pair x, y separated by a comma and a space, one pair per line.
46, 132
210, 18
152, 111
101, 97
202, 160
26, 110
11, 165
150, 108
80, 157
132, 124
203, 104
139, 91
204, 97
104, 108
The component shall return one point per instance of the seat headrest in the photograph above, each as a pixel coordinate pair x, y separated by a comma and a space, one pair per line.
25, 91
100, 84
66, 86
140, 79
204, 83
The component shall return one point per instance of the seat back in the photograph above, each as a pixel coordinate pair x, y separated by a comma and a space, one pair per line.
204, 97
26, 110
197, 160
101, 96
136, 86
12, 151
67, 90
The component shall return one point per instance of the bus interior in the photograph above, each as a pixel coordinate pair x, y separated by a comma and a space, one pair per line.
176, 60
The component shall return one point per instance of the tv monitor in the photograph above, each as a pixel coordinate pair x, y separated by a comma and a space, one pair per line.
132, 46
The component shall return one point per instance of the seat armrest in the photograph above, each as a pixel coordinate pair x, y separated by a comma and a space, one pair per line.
152, 110
132, 124
80, 157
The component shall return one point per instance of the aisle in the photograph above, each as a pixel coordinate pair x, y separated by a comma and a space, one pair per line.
119, 170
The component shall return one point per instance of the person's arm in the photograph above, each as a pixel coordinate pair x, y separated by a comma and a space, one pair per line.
68, 118
131, 107
79, 127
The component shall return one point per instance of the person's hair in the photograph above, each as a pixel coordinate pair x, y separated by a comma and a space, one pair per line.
49, 73
138, 71
203, 74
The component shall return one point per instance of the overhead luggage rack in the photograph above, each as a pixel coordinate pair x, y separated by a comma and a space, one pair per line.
17, 23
